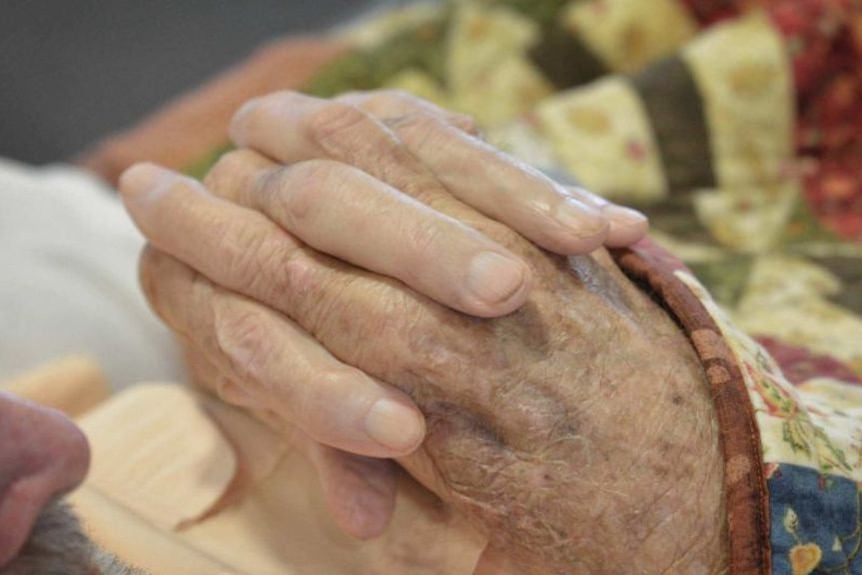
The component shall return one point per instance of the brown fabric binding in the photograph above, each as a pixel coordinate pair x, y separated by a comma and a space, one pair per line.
564, 58
746, 496
675, 107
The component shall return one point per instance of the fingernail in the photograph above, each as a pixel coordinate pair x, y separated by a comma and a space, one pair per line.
394, 425
623, 215
583, 220
495, 278
590, 198
140, 180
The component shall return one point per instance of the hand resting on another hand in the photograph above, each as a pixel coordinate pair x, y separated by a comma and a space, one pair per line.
576, 431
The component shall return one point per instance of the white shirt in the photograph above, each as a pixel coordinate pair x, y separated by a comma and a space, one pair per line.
68, 278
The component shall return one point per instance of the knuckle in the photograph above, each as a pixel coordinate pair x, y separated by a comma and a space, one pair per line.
414, 108
229, 169
399, 98
266, 189
238, 248
329, 125
310, 171
347, 308
326, 317
300, 187
269, 269
423, 130
246, 253
466, 124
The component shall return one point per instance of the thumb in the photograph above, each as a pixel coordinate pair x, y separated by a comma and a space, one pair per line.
359, 490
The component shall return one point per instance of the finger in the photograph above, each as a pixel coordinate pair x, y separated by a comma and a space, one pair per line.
337, 304
269, 362
237, 248
292, 128
210, 379
388, 104
207, 376
515, 193
627, 226
244, 252
359, 491
341, 211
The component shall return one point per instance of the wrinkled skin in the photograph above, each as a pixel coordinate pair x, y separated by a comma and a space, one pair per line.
577, 432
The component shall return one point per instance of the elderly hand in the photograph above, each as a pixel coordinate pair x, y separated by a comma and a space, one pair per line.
576, 432
364, 148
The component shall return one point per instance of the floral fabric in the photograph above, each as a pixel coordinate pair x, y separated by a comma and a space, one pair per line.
737, 125
816, 521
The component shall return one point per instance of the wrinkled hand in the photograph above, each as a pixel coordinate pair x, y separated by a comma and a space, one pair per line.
399, 139
576, 432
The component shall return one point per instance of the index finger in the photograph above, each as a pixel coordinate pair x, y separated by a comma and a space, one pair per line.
345, 213
292, 128
492, 182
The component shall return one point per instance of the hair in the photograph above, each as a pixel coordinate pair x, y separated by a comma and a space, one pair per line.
59, 546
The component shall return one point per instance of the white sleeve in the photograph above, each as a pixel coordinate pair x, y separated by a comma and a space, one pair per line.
68, 278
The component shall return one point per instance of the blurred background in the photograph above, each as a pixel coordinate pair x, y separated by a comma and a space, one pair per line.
72, 71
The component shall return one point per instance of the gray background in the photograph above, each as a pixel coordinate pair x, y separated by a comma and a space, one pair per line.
72, 71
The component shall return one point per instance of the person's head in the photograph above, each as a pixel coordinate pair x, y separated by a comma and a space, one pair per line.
43, 455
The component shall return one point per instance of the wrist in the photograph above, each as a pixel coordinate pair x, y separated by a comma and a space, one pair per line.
665, 441
581, 437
